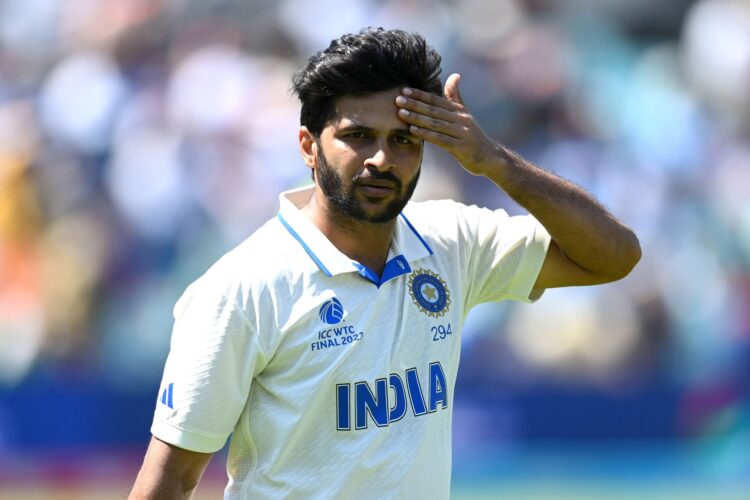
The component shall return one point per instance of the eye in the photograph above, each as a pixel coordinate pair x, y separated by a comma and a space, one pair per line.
404, 140
357, 134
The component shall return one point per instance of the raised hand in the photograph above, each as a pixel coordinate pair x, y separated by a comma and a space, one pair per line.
446, 122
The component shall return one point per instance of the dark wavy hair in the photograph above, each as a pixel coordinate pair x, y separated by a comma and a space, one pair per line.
371, 61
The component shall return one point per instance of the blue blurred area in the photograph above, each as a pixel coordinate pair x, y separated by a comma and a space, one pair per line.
140, 140
55, 412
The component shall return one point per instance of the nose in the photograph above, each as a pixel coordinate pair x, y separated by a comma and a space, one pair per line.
381, 158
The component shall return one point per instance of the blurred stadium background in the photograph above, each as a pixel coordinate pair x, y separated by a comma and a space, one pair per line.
141, 139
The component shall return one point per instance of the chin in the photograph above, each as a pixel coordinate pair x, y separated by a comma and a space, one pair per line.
381, 216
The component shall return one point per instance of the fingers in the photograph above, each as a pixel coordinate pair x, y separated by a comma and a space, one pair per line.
442, 140
429, 111
424, 109
432, 99
441, 120
427, 122
451, 89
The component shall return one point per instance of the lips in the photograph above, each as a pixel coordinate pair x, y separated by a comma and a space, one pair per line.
375, 183
376, 189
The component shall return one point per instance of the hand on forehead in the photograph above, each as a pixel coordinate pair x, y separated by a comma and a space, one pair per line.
445, 122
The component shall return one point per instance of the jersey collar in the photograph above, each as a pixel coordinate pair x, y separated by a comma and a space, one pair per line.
407, 244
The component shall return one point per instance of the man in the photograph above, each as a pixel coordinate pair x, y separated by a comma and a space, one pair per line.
328, 342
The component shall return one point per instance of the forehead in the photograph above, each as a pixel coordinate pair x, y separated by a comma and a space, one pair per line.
377, 110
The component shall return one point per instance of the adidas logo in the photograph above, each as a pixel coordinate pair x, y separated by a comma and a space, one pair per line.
166, 396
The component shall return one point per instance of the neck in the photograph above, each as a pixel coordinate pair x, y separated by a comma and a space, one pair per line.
362, 241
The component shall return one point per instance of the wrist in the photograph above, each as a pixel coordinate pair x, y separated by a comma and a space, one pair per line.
497, 164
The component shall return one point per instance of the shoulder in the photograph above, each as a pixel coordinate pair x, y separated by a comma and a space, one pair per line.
432, 216
446, 223
267, 258
269, 250
436, 222
436, 207
440, 211
256, 253
449, 218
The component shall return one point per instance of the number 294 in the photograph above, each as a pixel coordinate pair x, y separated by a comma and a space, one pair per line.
441, 332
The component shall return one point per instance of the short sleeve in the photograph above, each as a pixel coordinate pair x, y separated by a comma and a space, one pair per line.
505, 254
214, 355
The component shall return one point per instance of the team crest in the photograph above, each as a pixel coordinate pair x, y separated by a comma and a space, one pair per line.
429, 292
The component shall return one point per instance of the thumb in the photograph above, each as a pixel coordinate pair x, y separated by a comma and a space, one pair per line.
451, 89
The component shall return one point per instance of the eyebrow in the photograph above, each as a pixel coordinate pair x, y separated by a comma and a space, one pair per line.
354, 126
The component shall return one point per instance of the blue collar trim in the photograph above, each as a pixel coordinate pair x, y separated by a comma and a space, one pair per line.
304, 245
417, 234
394, 268
407, 244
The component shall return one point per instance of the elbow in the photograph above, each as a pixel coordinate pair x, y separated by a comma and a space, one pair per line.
627, 258
634, 253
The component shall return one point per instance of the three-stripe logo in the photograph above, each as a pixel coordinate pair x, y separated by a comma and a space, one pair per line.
166, 396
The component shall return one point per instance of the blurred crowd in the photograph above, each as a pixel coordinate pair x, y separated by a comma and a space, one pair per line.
141, 139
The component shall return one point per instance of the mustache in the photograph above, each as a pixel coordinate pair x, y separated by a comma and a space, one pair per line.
374, 175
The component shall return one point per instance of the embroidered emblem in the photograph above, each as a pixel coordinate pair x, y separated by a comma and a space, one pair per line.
429, 292
331, 312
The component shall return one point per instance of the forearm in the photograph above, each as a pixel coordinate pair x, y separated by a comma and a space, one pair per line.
168, 473
602, 248
582, 228
160, 487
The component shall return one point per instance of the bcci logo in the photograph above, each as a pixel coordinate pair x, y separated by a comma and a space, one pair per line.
331, 312
429, 292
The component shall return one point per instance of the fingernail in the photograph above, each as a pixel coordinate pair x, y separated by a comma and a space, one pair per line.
403, 112
401, 100
406, 91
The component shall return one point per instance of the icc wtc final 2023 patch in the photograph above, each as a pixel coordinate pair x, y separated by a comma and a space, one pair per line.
429, 292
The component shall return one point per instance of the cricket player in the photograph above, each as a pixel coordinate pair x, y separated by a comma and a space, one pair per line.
327, 343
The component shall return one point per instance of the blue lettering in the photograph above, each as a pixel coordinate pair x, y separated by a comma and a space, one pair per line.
343, 330
415, 392
367, 402
398, 410
438, 388
342, 407
383, 405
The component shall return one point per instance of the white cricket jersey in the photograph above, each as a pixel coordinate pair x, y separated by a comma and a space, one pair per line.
335, 382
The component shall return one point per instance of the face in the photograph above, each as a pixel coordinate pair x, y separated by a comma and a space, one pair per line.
367, 163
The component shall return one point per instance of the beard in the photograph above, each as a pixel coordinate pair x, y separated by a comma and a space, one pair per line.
343, 200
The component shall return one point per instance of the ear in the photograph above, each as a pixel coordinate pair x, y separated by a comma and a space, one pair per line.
308, 148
